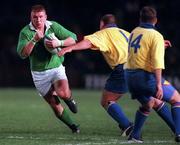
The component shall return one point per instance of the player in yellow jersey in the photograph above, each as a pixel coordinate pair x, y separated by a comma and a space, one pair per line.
144, 73
112, 42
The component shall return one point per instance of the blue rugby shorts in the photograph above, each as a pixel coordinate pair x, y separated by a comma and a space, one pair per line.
116, 82
142, 86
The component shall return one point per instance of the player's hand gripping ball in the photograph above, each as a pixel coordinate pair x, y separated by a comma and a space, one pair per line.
50, 37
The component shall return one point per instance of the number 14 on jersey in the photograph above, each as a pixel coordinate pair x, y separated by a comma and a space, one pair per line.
134, 42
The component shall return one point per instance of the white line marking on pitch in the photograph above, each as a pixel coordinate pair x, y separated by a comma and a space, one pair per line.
97, 142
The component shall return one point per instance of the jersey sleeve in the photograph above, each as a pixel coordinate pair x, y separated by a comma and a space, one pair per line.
98, 41
62, 33
158, 51
23, 40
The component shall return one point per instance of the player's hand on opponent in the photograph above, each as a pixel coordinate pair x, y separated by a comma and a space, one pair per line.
159, 93
38, 35
167, 43
64, 51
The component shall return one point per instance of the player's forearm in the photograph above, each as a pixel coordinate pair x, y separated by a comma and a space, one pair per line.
68, 42
28, 49
82, 45
158, 75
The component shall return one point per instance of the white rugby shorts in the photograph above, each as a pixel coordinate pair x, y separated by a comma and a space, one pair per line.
44, 79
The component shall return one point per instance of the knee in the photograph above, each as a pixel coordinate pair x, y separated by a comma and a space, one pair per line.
145, 110
150, 104
105, 102
157, 103
63, 94
175, 98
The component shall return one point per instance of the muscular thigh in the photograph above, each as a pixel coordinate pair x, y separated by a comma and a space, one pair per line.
168, 91
60, 83
45, 79
62, 88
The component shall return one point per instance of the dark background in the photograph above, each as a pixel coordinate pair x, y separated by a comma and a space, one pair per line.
82, 17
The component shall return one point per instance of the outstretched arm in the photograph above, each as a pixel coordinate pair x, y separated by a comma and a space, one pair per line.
82, 45
69, 41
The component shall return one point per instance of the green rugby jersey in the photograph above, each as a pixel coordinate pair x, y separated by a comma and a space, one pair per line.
40, 58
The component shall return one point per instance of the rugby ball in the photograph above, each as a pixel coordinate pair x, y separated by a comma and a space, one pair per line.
50, 37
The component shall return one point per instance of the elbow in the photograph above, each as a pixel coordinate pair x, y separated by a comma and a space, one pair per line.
24, 54
87, 43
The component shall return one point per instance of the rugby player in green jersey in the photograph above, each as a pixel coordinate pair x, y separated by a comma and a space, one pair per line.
47, 71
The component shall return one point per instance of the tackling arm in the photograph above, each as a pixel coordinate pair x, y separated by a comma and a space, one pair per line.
82, 45
69, 41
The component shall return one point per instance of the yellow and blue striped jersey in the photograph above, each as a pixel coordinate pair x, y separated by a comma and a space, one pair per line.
113, 44
146, 49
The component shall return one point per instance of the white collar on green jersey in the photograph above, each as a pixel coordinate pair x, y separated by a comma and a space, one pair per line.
47, 24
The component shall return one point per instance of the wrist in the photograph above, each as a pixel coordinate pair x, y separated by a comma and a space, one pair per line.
159, 85
60, 42
34, 41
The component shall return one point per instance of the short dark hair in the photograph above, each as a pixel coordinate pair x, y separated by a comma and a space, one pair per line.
108, 19
38, 8
148, 14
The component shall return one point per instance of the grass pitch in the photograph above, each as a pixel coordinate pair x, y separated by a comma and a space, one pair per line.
26, 119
